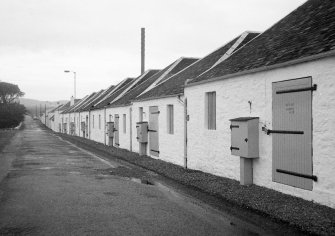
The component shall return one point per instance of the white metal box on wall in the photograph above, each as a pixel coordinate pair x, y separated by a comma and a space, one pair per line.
245, 137
142, 132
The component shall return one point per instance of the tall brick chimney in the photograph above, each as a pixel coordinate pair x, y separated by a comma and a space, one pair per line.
142, 50
72, 101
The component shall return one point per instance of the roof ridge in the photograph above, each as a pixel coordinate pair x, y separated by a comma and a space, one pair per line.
120, 84
231, 50
86, 101
155, 83
287, 40
199, 60
129, 88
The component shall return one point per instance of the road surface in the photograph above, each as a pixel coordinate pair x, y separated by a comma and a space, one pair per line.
55, 188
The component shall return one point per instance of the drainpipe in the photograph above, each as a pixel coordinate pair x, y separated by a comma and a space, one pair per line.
89, 124
185, 133
130, 128
68, 125
184, 103
105, 126
79, 125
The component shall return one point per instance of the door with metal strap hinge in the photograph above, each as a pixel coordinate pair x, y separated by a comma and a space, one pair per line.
292, 132
116, 130
153, 131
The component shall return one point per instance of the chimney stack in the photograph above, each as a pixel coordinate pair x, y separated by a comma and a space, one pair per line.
72, 101
142, 50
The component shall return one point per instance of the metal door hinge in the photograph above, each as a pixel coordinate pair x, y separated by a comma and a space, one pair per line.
313, 88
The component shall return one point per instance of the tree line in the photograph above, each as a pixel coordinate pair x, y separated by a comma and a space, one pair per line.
11, 111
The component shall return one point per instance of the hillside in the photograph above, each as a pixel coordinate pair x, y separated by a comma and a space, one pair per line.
33, 106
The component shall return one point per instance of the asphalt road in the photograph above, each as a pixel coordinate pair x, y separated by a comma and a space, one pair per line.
55, 188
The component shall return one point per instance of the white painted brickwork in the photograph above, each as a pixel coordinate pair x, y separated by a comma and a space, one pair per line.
208, 150
97, 134
171, 146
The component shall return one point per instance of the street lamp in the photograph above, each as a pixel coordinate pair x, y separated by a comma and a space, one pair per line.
74, 77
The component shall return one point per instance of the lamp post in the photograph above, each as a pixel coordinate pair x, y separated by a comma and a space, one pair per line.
74, 77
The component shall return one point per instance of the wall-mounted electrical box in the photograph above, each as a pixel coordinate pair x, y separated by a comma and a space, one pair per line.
110, 129
142, 132
82, 126
244, 143
244, 137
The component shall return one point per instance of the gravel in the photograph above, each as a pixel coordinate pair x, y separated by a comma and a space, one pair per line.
308, 216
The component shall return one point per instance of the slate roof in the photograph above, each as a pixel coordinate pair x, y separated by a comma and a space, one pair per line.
87, 99
68, 107
64, 107
106, 93
139, 80
133, 93
105, 100
128, 84
56, 108
175, 84
308, 30
92, 101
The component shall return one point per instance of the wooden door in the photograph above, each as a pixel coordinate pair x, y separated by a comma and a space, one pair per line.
154, 131
116, 130
292, 140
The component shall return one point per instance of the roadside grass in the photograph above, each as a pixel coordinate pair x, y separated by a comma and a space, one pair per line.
308, 216
5, 137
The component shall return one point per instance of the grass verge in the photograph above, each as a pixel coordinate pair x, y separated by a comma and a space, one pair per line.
5, 137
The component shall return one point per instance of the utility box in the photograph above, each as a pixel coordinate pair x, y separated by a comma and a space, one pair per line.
245, 144
110, 129
142, 132
82, 126
245, 137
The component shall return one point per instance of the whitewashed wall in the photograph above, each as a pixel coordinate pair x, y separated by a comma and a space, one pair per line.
97, 134
72, 119
208, 150
66, 119
56, 122
124, 137
171, 146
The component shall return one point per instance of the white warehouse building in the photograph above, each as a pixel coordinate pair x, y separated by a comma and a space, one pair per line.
285, 81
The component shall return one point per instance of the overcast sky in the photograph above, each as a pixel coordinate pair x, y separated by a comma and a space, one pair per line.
100, 39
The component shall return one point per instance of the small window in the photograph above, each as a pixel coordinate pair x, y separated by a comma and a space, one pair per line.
124, 123
170, 126
140, 114
93, 122
210, 110
99, 121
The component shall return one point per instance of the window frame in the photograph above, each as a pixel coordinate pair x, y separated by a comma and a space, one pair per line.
170, 119
210, 110
124, 123
140, 114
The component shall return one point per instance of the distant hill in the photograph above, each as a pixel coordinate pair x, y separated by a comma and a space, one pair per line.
33, 104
